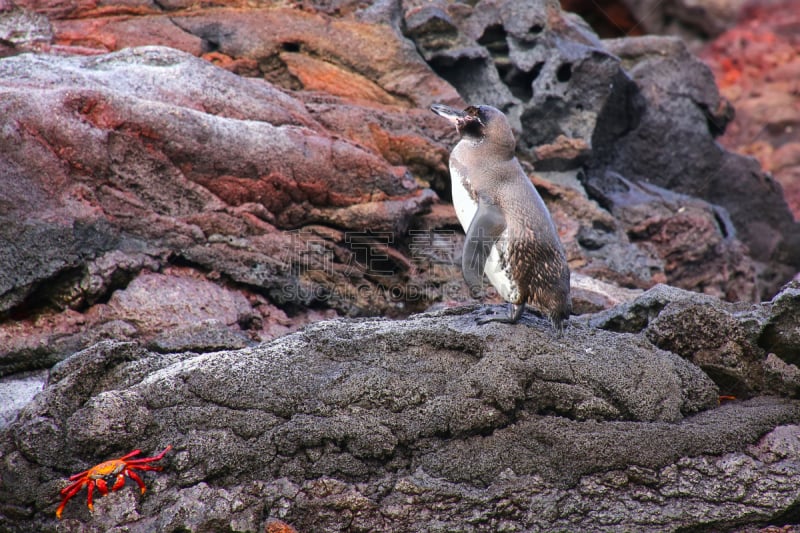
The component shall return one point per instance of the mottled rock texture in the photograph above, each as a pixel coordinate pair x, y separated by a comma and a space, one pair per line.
431, 423
747, 350
117, 167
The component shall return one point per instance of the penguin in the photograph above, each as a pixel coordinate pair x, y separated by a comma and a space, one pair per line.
510, 236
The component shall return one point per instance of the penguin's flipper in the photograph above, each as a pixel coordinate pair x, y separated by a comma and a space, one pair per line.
485, 229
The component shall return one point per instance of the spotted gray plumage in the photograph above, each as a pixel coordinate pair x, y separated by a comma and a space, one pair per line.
510, 235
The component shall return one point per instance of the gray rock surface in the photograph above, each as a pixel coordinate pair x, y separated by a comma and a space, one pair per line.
747, 350
432, 423
17, 391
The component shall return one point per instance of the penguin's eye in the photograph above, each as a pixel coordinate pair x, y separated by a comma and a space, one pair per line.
471, 127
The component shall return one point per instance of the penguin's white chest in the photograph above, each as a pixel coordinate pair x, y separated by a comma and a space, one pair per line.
466, 207
463, 203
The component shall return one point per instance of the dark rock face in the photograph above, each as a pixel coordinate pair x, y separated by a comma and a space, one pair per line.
756, 66
543, 67
747, 350
610, 107
694, 240
689, 108
371, 421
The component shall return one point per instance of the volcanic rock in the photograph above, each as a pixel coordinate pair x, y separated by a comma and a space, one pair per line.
756, 66
610, 107
747, 350
689, 108
180, 184
378, 420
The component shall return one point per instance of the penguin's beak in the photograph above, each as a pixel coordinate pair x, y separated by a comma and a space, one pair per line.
453, 115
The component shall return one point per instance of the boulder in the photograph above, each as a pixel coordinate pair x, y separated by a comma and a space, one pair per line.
690, 109
431, 422
747, 350
116, 167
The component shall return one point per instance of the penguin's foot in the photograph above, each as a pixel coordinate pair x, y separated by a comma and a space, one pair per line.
501, 319
514, 314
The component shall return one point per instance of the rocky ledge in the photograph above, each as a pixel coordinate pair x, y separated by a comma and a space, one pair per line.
432, 424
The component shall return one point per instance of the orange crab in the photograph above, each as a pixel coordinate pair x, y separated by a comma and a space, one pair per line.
95, 476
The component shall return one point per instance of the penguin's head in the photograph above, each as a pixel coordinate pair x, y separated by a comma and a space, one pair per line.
479, 123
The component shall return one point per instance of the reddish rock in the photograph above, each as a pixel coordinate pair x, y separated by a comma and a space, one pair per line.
590, 295
154, 151
319, 188
161, 301
757, 67
596, 244
278, 526
360, 60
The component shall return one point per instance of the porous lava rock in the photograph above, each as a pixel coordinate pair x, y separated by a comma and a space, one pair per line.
748, 350
431, 422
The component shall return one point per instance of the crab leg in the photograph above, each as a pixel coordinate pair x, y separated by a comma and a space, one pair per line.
134, 476
145, 460
89, 491
74, 488
79, 475
68, 493
128, 456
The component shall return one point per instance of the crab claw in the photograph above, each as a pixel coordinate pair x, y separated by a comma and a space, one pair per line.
119, 481
102, 486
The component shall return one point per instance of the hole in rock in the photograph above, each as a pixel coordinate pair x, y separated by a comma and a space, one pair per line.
564, 72
494, 38
535, 29
208, 45
462, 73
290, 47
520, 83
